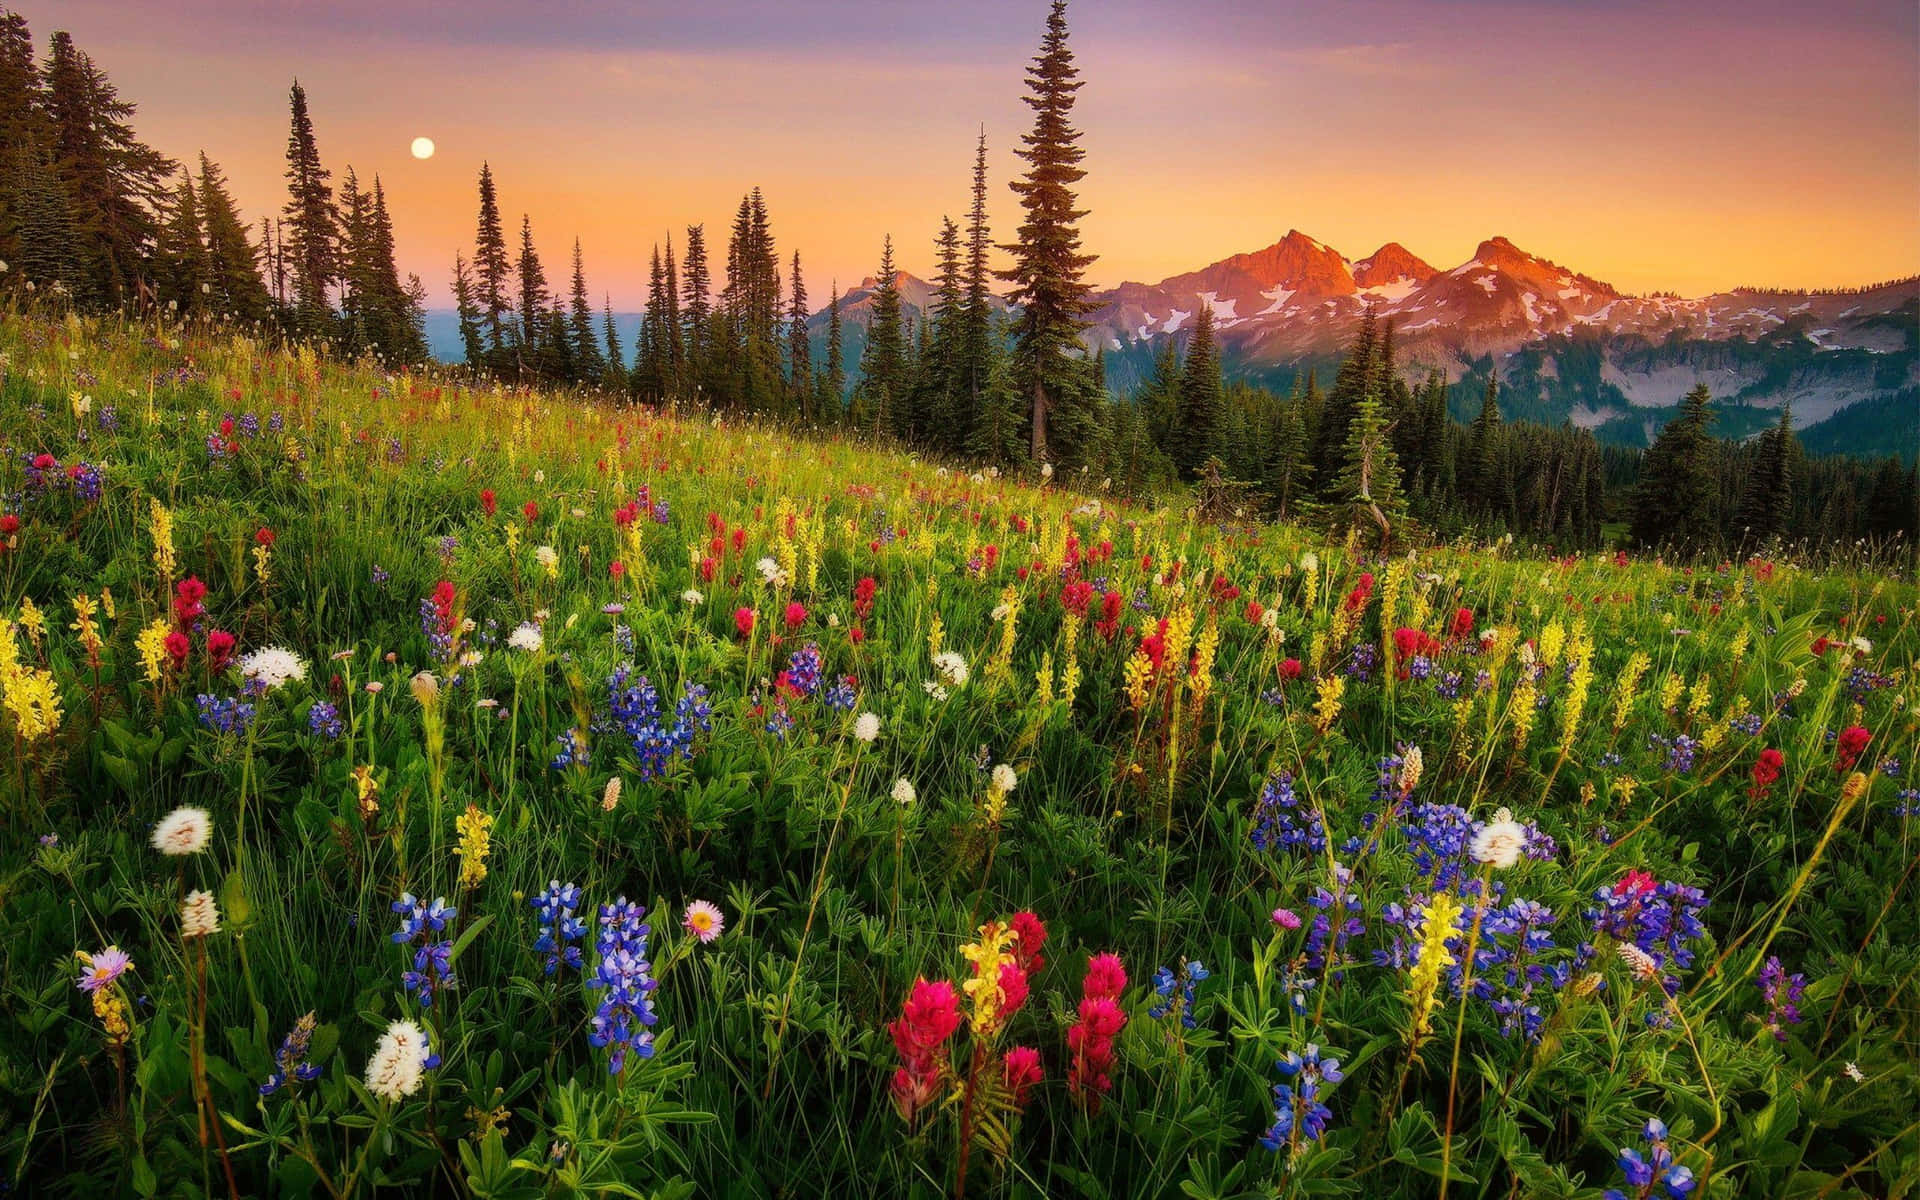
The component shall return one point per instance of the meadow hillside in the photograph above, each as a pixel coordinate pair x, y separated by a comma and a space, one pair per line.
414, 786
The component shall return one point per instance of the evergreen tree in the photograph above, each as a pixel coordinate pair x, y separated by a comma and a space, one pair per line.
833, 382
1049, 267
1766, 502
942, 414
1675, 501
233, 261
1480, 480
696, 305
1890, 509
402, 310
616, 366
1358, 373
23, 133
1197, 435
1367, 492
674, 380
799, 348
975, 349
312, 232
1288, 466
648, 379
533, 294
113, 183
468, 312
46, 251
491, 268
354, 266
879, 396
182, 277
589, 364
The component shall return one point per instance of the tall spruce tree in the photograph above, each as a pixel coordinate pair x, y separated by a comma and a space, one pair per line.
312, 231
182, 277
1481, 490
1367, 492
799, 346
975, 348
833, 381
468, 312
616, 365
1675, 503
233, 261
1198, 428
113, 183
533, 295
696, 307
491, 269
1766, 502
1048, 273
23, 134
879, 397
589, 363
1358, 372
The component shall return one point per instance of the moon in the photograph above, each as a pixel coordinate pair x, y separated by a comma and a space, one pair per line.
423, 147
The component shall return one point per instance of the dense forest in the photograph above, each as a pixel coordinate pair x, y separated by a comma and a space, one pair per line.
92, 217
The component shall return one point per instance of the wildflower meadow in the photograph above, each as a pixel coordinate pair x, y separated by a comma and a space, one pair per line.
421, 787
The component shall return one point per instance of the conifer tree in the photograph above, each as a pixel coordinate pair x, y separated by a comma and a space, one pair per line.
23, 134
1048, 272
1196, 437
673, 380
402, 309
943, 413
1358, 372
589, 364
113, 183
1480, 479
975, 349
468, 313
491, 268
616, 365
799, 347
1367, 492
182, 276
696, 305
312, 232
233, 261
1675, 502
354, 265
833, 382
1767, 500
1288, 467
879, 394
533, 295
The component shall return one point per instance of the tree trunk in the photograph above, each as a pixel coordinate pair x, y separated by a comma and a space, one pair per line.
1039, 421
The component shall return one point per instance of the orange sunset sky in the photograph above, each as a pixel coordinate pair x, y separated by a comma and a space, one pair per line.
1690, 147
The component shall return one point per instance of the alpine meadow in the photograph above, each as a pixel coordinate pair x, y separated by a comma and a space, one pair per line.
1307, 727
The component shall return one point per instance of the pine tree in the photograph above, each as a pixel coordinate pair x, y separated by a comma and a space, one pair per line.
589, 364
312, 232
1358, 372
1049, 268
1890, 509
182, 277
879, 396
943, 413
975, 351
1766, 503
1367, 491
1287, 463
533, 298
696, 305
113, 182
491, 268
233, 261
1197, 433
1480, 489
402, 309
1675, 503
468, 312
616, 366
799, 347
833, 382
357, 318
23, 134
675, 378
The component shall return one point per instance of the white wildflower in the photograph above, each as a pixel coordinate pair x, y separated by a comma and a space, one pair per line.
1500, 842
903, 793
526, 636
866, 726
183, 831
951, 667
398, 1063
273, 666
199, 915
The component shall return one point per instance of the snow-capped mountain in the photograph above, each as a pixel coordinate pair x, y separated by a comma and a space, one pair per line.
1566, 346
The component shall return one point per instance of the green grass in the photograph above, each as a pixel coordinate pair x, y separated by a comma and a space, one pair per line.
1129, 830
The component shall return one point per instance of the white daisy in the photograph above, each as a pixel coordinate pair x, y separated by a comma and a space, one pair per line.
273, 666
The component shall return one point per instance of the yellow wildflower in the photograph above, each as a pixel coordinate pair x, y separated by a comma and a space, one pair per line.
474, 828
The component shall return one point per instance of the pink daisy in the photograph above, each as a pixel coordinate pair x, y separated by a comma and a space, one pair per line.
104, 968
704, 921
